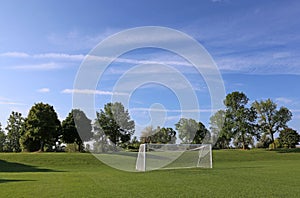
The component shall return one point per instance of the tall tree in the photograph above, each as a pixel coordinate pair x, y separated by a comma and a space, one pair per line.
101, 142
187, 129
146, 134
15, 125
76, 128
165, 135
289, 138
115, 122
220, 136
264, 141
240, 120
159, 135
191, 131
2, 139
201, 134
41, 127
271, 120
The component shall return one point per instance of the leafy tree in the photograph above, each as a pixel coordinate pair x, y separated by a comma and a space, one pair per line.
165, 135
201, 134
134, 144
289, 138
271, 120
159, 135
29, 143
101, 142
76, 128
243, 141
220, 135
240, 120
191, 131
15, 125
2, 139
42, 127
264, 141
115, 122
146, 134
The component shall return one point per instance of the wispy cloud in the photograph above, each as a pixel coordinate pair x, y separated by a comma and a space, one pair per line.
15, 54
43, 90
7, 101
76, 40
218, 1
89, 91
284, 100
75, 57
72, 57
175, 110
42, 66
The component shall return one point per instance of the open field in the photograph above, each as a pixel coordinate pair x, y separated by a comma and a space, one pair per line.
236, 173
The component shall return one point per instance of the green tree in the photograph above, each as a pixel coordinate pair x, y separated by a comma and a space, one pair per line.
146, 134
271, 120
2, 139
115, 122
101, 142
191, 131
220, 136
243, 141
264, 141
201, 134
134, 144
14, 128
42, 128
289, 138
240, 120
76, 128
159, 135
165, 135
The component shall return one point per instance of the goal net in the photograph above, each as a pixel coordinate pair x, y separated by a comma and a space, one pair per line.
173, 156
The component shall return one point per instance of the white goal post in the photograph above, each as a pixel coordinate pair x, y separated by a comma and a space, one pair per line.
173, 156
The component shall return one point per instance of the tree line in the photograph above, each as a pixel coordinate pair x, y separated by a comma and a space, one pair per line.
240, 125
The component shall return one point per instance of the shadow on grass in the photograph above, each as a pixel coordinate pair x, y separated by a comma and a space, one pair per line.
6, 166
13, 180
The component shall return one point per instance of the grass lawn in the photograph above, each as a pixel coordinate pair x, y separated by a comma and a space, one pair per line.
236, 173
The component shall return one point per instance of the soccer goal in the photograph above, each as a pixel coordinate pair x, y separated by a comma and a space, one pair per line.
173, 156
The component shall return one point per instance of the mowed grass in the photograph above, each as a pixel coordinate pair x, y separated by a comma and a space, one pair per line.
236, 173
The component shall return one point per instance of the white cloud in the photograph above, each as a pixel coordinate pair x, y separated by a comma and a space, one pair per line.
43, 90
72, 57
10, 103
174, 110
75, 40
281, 55
89, 91
160, 61
218, 1
75, 57
7, 101
264, 63
15, 54
284, 100
42, 66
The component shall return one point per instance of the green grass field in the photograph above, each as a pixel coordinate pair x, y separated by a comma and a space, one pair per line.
236, 173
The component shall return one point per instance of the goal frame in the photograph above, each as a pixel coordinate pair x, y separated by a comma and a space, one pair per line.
141, 161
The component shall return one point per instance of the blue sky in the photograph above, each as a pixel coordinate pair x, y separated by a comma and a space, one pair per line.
255, 44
